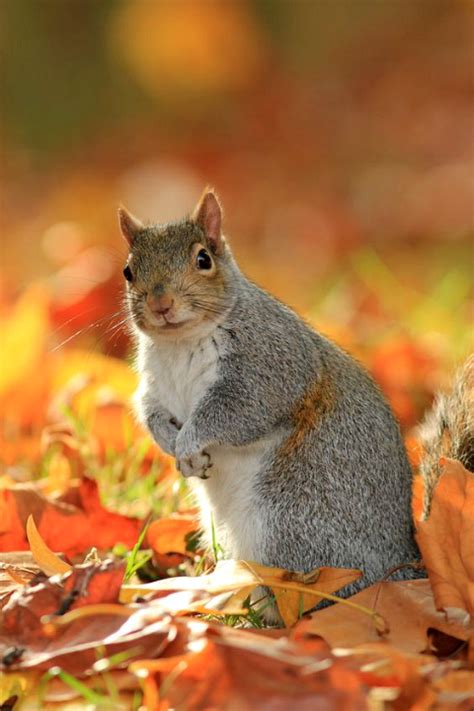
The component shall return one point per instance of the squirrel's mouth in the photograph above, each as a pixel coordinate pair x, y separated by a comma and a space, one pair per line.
166, 325
169, 325
159, 322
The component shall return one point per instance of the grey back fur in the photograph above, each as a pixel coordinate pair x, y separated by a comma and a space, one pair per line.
342, 496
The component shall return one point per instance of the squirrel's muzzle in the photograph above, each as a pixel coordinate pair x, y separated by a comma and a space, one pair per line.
160, 305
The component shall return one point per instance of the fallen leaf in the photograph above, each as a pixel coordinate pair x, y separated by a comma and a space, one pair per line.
168, 539
91, 630
169, 535
382, 666
239, 669
410, 601
12, 530
456, 687
446, 541
237, 575
292, 604
82, 585
16, 569
69, 528
47, 561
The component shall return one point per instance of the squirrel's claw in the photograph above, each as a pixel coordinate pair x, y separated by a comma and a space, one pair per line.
195, 465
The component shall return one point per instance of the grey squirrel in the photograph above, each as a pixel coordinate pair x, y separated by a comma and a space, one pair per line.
294, 454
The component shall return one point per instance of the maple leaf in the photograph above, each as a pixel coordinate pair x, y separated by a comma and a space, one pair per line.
168, 538
446, 541
82, 585
70, 528
410, 601
242, 577
223, 668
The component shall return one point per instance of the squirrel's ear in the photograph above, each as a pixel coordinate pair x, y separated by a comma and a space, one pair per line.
208, 215
130, 225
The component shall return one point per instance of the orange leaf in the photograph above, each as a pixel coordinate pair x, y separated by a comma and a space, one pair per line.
70, 528
407, 606
292, 604
48, 561
168, 535
242, 670
12, 532
446, 540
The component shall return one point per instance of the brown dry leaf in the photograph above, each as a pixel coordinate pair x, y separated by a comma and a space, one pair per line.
82, 640
407, 606
83, 585
446, 540
228, 575
456, 687
292, 604
224, 668
421, 683
238, 575
48, 562
16, 570
403, 676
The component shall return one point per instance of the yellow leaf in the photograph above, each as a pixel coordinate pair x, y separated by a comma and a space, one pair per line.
49, 562
237, 600
23, 337
235, 575
292, 604
17, 684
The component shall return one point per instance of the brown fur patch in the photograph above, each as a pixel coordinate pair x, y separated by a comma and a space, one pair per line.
317, 403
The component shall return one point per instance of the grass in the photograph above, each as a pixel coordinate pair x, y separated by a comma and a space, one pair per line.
136, 558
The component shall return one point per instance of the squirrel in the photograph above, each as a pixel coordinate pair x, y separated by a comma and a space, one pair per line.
294, 454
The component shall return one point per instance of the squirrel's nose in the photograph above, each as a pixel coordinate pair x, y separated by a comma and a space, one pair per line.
160, 304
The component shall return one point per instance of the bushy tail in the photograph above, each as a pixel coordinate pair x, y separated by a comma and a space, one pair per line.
448, 430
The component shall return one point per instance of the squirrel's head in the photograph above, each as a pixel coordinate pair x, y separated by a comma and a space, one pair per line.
177, 274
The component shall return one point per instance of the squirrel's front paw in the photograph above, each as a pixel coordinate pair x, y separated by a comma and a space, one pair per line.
195, 465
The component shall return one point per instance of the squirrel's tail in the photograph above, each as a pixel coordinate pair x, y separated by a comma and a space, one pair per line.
448, 430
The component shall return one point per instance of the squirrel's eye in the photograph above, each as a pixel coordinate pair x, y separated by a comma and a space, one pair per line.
203, 260
127, 272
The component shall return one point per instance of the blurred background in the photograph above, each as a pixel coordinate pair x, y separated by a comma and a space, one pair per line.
339, 136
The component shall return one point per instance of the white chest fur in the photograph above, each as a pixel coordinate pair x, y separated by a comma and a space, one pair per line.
177, 374
228, 499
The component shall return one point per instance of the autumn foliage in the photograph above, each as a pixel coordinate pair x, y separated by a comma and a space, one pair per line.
337, 136
151, 619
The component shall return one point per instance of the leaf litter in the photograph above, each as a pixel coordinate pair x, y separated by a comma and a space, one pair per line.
183, 632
